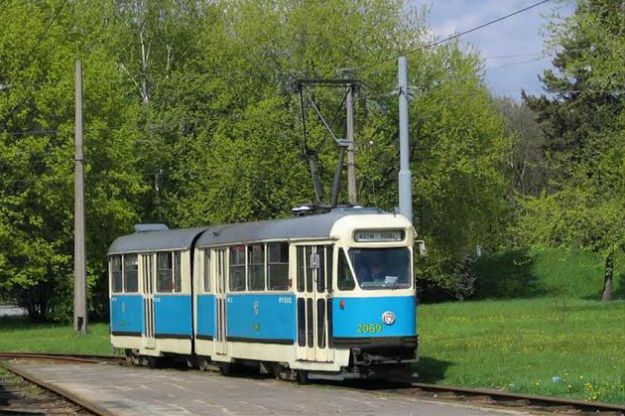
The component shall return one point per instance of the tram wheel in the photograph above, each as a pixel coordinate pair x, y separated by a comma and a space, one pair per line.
225, 369
153, 362
302, 377
202, 364
129, 357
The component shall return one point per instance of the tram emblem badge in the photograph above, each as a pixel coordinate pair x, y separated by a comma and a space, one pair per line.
388, 318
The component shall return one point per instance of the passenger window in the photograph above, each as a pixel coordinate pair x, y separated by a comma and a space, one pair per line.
164, 270
301, 269
321, 274
207, 262
131, 273
329, 268
345, 278
237, 268
256, 267
116, 274
309, 269
278, 266
177, 272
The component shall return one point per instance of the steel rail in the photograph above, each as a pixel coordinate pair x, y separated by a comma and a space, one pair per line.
503, 397
83, 358
60, 391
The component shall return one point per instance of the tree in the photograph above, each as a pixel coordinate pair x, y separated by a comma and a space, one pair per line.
36, 142
583, 125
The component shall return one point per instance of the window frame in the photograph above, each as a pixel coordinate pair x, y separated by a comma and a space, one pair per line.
236, 267
175, 274
206, 271
249, 265
342, 255
269, 263
121, 273
125, 272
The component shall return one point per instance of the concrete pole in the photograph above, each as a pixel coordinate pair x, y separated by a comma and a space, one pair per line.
80, 284
351, 169
405, 177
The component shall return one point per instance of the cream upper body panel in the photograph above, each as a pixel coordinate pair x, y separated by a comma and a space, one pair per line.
345, 227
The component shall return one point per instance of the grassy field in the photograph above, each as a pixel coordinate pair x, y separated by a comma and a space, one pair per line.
555, 346
16, 334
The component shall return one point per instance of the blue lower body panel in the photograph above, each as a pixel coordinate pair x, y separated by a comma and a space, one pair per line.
172, 316
126, 315
206, 316
374, 317
265, 318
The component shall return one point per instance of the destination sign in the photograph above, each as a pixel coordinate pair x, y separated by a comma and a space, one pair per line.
376, 236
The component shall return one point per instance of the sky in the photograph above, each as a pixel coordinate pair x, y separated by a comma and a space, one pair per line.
513, 48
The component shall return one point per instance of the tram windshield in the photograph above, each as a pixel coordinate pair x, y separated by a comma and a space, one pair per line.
381, 268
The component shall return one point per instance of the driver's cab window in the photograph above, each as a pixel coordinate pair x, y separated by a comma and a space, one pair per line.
345, 280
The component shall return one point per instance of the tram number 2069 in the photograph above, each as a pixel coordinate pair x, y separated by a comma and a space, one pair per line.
368, 328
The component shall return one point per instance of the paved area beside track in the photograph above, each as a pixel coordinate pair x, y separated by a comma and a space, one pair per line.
133, 391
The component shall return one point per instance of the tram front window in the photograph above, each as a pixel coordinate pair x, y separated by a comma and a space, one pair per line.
381, 268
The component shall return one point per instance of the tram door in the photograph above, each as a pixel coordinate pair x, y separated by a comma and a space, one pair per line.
314, 277
220, 265
149, 340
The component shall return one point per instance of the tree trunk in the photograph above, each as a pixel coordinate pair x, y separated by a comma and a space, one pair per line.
607, 278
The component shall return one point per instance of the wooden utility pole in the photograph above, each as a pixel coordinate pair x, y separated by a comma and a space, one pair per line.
80, 284
351, 168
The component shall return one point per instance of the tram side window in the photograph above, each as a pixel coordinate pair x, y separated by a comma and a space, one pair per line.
329, 269
168, 272
116, 273
345, 278
278, 266
164, 272
177, 272
207, 262
131, 273
256, 267
301, 269
237, 268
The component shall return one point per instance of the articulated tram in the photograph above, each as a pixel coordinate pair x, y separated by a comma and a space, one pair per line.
320, 296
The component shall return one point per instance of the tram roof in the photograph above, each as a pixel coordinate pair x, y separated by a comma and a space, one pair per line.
157, 238
310, 226
180, 239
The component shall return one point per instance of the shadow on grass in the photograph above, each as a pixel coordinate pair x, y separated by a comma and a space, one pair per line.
22, 322
431, 370
507, 275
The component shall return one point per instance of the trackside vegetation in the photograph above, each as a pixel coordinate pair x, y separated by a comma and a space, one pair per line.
191, 118
557, 346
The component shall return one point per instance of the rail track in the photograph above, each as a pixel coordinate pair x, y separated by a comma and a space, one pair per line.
528, 402
29, 405
447, 393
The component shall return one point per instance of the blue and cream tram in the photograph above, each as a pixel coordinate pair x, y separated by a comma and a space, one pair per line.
328, 296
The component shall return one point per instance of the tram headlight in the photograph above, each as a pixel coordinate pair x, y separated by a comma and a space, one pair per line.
388, 318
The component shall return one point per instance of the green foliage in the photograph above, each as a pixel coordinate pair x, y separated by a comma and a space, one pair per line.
191, 119
583, 124
537, 346
544, 271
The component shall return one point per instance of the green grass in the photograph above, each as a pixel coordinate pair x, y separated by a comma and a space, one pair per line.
550, 346
17, 334
545, 272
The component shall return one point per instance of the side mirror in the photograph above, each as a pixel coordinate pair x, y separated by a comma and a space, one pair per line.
423, 251
314, 261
